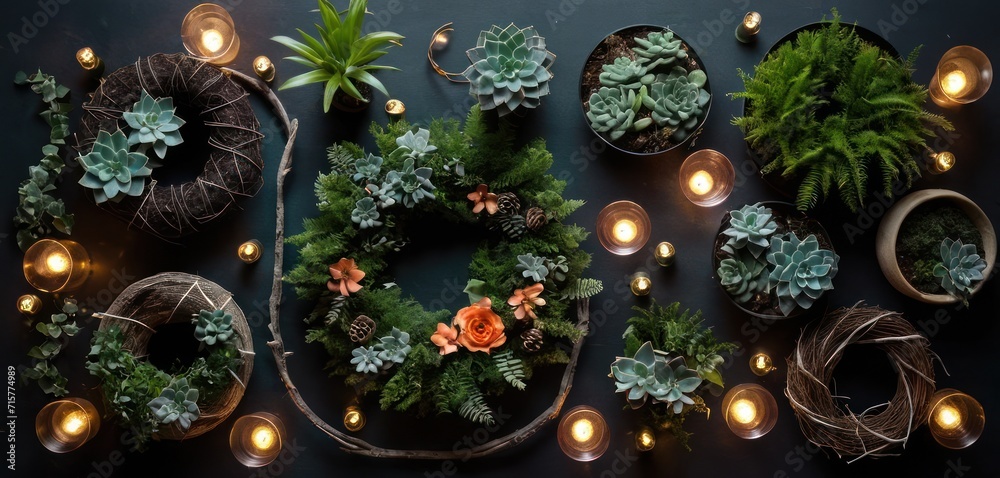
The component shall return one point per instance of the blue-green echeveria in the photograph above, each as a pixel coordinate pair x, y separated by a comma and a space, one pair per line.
154, 124
111, 170
655, 374
510, 69
801, 272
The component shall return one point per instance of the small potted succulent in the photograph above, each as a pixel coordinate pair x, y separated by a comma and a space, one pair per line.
644, 91
510, 69
936, 246
341, 57
773, 261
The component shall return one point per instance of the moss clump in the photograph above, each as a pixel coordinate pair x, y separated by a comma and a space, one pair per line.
918, 245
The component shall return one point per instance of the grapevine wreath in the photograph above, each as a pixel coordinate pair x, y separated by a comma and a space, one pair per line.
190, 400
137, 101
528, 268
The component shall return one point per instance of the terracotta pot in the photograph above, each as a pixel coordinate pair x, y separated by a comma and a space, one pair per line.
888, 230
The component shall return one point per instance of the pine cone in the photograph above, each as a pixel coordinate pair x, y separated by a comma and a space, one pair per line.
512, 226
535, 218
362, 329
531, 340
508, 203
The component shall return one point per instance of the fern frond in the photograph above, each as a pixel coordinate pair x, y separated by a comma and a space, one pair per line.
474, 408
583, 288
511, 368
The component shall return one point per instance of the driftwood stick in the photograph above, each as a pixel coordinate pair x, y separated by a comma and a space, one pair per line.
349, 443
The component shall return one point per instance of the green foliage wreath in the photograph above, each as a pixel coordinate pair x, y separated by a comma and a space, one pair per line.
528, 264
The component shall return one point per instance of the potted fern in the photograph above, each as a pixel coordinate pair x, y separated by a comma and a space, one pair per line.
829, 112
644, 90
341, 57
773, 261
936, 246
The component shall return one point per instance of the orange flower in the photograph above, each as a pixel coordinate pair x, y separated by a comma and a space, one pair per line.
525, 300
345, 277
483, 199
481, 329
446, 338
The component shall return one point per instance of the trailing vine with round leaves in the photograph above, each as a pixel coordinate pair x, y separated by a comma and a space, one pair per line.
459, 183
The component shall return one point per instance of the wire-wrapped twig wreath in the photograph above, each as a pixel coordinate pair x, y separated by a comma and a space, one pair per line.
347, 442
875, 431
173, 297
232, 171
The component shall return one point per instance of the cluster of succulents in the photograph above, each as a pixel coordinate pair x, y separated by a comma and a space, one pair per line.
510, 69
213, 327
154, 124
388, 351
656, 375
960, 269
756, 259
650, 88
407, 186
178, 402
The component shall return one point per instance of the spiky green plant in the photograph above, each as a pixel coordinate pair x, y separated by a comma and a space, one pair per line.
801, 271
678, 101
750, 228
960, 268
743, 276
341, 55
111, 170
510, 69
831, 111
612, 111
154, 124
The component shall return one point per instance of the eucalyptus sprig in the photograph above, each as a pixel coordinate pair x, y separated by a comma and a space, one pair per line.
49, 378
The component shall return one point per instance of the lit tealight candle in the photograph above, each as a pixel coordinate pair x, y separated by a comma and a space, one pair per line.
943, 161
761, 364
65, 425
29, 304
257, 439
209, 33
750, 410
623, 227
88, 60
354, 418
395, 109
641, 284
707, 177
264, 68
55, 266
956, 420
954, 83
645, 439
747, 30
250, 251
664, 254
963, 75
583, 434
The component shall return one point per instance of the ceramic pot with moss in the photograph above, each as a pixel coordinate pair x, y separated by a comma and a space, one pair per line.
908, 244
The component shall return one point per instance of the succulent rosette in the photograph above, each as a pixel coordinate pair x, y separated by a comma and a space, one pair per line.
510, 69
111, 170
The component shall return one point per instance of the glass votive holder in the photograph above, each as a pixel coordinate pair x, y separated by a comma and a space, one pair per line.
583, 433
962, 76
56, 265
623, 227
956, 420
29, 304
354, 418
707, 177
264, 68
250, 251
747, 30
208, 32
256, 439
65, 425
750, 410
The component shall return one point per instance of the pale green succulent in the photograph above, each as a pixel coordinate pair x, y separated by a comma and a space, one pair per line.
365, 213
678, 101
213, 326
111, 170
801, 272
558, 268
655, 374
177, 402
393, 348
414, 145
408, 186
531, 266
510, 69
625, 73
154, 124
750, 228
960, 269
743, 276
612, 111
366, 359
367, 168
659, 49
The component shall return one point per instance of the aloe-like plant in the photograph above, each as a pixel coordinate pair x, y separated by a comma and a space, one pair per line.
111, 170
177, 402
801, 272
341, 55
677, 101
743, 276
750, 228
960, 269
510, 69
612, 111
154, 124
213, 326
656, 375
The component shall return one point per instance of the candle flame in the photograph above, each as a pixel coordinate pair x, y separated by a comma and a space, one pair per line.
751, 20
625, 230
701, 182
263, 438
582, 430
74, 423
212, 40
955, 83
948, 417
249, 249
27, 304
944, 161
353, 418
646, 439
761, 362
743, 411
57, 262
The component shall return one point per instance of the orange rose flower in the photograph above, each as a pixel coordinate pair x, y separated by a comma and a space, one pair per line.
446, 338
345, 277
525, 300
481, 329
483, 199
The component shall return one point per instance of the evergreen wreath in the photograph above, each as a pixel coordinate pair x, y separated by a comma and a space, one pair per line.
829, 110
525, 272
